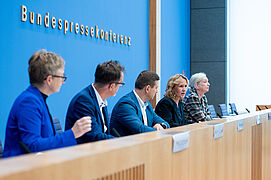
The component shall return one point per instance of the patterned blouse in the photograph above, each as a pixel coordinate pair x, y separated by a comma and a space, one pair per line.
196, 109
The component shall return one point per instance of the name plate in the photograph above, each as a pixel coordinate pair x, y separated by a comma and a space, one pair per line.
240, 125
181, 141
218, 130
269, 116
259, 120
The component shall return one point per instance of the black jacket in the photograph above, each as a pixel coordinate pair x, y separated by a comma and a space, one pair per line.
168, 110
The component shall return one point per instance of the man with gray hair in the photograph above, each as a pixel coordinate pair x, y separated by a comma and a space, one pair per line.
195, 104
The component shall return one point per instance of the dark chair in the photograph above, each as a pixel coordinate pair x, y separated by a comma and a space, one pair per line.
212, 111
57, 125
223, 109
1, 149
233, 108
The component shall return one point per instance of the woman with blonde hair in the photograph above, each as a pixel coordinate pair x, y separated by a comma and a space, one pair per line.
170, 108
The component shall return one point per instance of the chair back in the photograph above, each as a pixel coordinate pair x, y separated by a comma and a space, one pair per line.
223, 109
1, 149
57, 125
233, 108
212, 111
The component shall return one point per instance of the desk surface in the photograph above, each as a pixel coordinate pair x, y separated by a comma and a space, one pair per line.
150, 156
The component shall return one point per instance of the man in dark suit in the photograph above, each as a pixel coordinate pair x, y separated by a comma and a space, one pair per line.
91, 101
133, 113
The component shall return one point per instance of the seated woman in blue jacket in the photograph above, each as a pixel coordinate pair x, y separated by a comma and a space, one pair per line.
30, 122
170, 108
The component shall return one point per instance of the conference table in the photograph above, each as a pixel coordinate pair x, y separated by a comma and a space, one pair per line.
231, 148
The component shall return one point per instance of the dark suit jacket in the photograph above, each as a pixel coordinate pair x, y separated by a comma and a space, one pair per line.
85, 103
127, 117
29, 122
168, 110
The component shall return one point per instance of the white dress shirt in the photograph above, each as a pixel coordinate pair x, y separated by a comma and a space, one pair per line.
143, 107
102, 103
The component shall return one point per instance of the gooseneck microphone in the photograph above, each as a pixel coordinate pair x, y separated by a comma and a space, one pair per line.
25, 148
219, 115
115, 132
235, 112
163, 125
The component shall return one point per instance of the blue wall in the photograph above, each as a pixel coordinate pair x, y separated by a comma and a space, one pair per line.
175, 40
19, 40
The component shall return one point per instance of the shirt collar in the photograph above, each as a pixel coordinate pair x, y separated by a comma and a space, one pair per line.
99, 98
141, 103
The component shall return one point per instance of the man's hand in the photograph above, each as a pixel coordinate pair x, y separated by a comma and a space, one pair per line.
81, 126
158, 127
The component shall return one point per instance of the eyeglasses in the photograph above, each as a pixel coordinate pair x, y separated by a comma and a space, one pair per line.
64, 78
122, 83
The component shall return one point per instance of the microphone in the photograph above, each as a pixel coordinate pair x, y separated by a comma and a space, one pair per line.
115, 132
25, 148
163, 125
219, 115
235, 112
259, 107
248, 110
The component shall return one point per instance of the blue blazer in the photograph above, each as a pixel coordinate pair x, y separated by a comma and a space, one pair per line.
29, 122
83, 104
127, 117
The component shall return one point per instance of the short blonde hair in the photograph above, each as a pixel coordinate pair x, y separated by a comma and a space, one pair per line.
172, 82
42, 64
